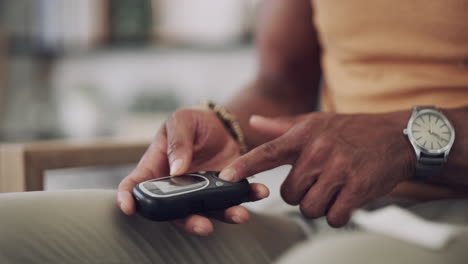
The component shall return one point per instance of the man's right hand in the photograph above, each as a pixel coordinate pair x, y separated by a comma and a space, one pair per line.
190, 140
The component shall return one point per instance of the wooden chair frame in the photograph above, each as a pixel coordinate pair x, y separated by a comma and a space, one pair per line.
3, 69
22, 166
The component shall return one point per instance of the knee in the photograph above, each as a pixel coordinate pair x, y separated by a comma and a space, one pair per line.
360, 247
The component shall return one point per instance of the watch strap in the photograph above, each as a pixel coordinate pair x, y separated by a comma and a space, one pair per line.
422, 107
428, 166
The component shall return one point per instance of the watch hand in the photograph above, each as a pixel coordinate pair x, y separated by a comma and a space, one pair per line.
438, 136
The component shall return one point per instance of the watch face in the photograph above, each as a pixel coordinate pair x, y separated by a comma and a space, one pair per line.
431, 131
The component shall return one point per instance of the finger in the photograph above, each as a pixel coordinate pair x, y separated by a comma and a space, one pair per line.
195, 224
232, 215
267, 156
311, 163
297, 184
322, 194
238, 214
180, 136
276, 126
124, 196
347, 201
271, 126
152, 165
258, 191
302, 176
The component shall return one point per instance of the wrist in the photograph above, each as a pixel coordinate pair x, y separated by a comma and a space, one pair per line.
456, 166
230, 122
405, 151
431, 139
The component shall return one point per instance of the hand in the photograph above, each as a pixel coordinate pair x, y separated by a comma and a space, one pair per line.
190, 140
340, 162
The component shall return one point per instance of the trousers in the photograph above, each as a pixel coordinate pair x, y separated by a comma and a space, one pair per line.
85, 226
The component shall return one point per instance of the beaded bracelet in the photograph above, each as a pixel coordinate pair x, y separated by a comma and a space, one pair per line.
230, 122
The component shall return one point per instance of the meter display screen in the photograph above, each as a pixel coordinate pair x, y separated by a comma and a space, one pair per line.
175, 185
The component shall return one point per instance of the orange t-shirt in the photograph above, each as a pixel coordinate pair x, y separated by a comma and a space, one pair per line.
381, 55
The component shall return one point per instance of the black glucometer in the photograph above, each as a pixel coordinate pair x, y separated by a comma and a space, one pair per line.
174, 197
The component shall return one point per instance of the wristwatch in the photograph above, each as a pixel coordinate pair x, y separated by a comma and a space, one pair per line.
432, 137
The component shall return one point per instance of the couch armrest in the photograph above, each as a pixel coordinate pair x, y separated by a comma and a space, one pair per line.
22, 166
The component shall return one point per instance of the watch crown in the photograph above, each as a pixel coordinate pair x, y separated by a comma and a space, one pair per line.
405, 131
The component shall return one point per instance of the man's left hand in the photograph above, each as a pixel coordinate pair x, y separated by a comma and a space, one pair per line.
340, 161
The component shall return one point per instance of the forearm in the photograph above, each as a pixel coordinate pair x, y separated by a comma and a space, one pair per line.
272, 98
289, 66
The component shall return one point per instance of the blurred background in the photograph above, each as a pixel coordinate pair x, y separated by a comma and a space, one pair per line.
79, 70
115, 68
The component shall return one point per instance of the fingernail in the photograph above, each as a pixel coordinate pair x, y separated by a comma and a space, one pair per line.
176, 166
227, 175
262, 192
120, 201
258, 118
198, 230
120, 197
236, 219
123, 207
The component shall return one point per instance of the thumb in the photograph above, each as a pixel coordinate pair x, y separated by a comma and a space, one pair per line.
180, 137
272, 126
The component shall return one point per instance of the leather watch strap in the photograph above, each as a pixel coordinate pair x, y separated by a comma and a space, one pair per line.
428, 166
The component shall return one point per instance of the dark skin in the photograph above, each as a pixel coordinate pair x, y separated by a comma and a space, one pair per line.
289, 74
339, 161
286, 85
338, 166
